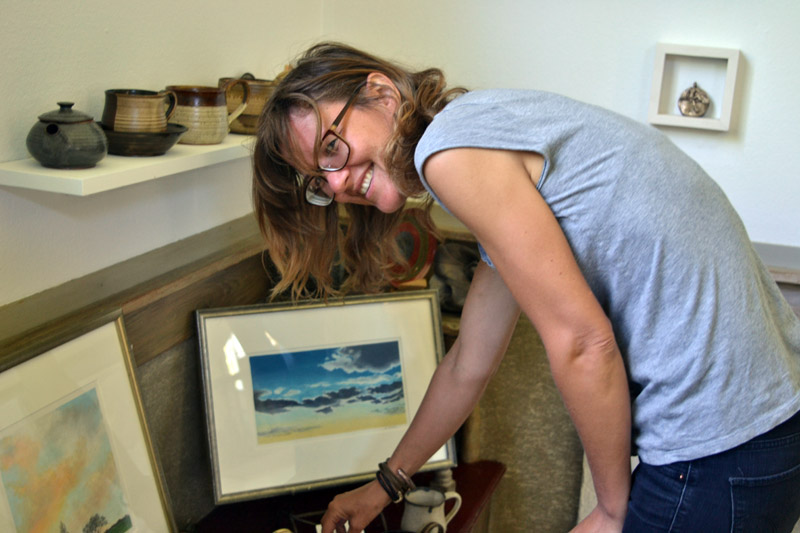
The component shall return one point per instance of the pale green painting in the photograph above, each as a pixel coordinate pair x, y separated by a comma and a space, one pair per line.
58, 471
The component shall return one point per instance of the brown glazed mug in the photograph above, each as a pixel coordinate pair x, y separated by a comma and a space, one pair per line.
260, 91
138, 110
204, 110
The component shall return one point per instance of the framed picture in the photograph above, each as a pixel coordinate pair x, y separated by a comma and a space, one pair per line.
300, 396
676, 68
75, 451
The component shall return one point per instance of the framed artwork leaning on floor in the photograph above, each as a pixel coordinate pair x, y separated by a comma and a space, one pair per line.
300, 396
75, 450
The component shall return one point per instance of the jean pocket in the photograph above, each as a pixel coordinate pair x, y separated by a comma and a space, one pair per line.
767, 503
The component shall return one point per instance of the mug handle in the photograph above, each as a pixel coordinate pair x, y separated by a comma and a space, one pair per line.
450, 495
246, 94
173, 100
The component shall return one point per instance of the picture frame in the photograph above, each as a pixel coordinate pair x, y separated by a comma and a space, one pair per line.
676, 67
75, 449
308, 395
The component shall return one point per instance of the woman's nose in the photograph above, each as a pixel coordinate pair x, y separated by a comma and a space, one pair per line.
337, 180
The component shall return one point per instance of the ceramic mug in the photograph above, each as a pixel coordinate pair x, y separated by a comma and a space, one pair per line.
204, 111
424, 506
138, 110
260, 91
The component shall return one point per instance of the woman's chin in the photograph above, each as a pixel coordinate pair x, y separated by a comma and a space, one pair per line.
391, 205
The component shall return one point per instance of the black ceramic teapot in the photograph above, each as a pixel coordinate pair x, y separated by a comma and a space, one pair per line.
66, 138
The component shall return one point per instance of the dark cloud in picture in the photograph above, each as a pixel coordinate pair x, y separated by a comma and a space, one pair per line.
331, 397
397, 396
376, 358
387, 387
324, 403
272, 406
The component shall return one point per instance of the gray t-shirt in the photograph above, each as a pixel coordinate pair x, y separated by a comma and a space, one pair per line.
711, 347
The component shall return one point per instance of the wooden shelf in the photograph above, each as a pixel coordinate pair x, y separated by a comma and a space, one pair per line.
113, 171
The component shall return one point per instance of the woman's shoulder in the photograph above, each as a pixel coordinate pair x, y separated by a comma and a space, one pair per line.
482, 115
505, 96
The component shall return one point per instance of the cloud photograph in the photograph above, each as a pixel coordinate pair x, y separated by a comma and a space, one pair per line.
327, 391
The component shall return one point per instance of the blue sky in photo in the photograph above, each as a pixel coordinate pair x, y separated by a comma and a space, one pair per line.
295, 389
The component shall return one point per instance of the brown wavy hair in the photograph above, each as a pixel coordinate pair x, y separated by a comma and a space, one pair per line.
306, 241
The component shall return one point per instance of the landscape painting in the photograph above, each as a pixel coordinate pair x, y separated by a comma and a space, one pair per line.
327, 391
58, 471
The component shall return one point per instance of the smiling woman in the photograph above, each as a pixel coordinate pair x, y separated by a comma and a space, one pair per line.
626, 256
361, 100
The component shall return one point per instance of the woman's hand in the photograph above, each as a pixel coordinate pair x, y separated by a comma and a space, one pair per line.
359, 507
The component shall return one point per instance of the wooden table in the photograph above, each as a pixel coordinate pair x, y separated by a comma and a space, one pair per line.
475, 482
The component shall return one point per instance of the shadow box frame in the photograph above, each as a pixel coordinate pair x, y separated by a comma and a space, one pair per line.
314, 361
676, 67
71, 378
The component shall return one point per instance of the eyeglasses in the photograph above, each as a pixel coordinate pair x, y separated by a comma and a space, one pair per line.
333, 155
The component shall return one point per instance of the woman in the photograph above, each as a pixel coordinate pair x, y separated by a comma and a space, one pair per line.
662, 327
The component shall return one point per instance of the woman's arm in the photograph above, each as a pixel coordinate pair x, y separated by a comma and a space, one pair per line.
487, 322
493, 193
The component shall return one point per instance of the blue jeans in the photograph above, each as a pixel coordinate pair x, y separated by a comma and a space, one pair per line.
754, 487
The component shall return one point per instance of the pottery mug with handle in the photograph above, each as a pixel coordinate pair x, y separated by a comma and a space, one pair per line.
138, 110
204, 111
259, 90
425, 505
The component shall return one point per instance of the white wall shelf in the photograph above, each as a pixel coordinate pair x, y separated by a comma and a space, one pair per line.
677, 67
113, 172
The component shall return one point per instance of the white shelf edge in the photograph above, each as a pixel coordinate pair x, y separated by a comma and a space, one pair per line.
113, 171
701, 123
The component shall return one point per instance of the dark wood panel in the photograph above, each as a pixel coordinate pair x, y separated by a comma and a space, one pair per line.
169, 320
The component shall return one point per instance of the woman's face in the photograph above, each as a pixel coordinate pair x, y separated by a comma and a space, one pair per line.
364, 179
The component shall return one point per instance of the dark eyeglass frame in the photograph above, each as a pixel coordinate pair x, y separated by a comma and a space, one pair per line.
314, 186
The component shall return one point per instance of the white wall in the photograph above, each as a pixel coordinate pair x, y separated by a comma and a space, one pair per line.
601, 52
73, 51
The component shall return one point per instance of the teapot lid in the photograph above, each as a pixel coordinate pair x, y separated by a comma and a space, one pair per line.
65, 114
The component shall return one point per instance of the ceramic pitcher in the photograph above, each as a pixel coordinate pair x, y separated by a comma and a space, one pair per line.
424, 506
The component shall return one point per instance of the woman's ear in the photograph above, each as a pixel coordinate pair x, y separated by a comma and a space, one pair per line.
383, 89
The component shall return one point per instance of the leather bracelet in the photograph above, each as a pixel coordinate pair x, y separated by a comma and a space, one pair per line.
399, 483
406, 479
395, 495
391, 478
